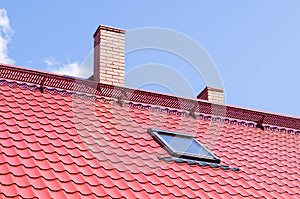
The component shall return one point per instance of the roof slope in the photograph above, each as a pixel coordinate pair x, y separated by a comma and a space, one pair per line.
63, 144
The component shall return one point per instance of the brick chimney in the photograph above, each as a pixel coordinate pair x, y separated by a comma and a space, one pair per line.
109, 64
212, 95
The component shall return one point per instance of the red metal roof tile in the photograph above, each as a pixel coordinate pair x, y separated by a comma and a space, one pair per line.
58, 145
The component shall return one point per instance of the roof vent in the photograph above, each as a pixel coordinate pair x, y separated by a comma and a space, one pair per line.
109, 64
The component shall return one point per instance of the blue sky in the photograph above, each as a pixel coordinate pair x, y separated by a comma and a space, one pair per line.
255, 44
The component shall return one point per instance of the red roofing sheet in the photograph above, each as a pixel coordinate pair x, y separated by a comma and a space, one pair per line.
57, 144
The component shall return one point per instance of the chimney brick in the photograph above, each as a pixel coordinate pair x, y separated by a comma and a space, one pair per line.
109, 57
214, 95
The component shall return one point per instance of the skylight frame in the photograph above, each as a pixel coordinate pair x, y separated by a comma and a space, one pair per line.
155, 133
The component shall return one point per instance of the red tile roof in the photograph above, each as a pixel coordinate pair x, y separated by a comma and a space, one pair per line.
62, 141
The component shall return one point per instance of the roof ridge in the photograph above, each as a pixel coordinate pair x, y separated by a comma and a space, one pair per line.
65, 85
152, 107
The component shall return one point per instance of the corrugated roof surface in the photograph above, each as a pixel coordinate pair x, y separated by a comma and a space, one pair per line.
61, 145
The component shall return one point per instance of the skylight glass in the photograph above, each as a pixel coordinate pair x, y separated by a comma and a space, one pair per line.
183, 145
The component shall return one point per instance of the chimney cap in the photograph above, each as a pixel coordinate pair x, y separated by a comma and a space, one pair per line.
211, 94
108, 28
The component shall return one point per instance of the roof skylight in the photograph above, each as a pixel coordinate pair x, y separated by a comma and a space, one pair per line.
183, 145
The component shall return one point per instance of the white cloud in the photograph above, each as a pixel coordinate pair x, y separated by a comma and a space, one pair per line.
51, 62
71, 69
74, 69
6, 33
55, 66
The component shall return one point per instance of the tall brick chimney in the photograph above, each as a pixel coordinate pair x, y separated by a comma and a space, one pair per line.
212, 95
109, 63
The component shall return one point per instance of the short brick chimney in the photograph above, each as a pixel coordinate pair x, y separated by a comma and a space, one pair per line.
109, 63
212, 95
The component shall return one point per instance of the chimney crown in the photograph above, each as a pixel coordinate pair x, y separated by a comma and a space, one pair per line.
109, 57
214, 95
